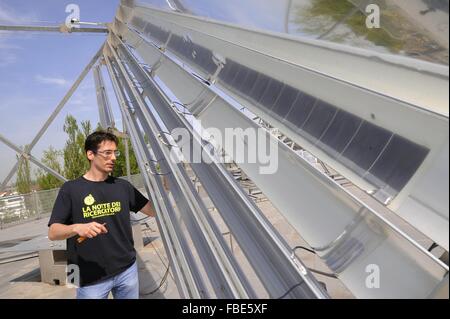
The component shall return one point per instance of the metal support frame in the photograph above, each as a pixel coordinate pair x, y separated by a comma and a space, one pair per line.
317, 56
188, 283
399, 101
31, 158
62, 29
104, 107
53, 115
149, 183
127, 151
11, 173
258, 239
320, 193
347, 234
220, 267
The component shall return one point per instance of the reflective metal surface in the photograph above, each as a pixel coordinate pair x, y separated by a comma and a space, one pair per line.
415, 28
349, 236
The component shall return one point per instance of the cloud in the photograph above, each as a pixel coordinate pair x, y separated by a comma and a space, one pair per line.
51, 80
84, 99
78, 101
8, 16
267, 15
83, 103
8, 51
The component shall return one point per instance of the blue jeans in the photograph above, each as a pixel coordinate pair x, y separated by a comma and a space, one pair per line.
123, 286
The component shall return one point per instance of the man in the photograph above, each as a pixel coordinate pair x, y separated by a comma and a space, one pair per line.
92, 213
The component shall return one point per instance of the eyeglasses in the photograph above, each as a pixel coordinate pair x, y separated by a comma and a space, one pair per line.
108, 153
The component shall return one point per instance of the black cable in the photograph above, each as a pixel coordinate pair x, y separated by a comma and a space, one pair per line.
304, 248
138, 220
433, 246
163, 280
298, 284
331, 275
148, 228
323, 273
201, 78
290, 289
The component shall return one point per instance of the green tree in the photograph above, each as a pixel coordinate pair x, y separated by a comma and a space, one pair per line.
75, 161
99, 127
86, 129
321, 15
51, 159
120, 167
23, 182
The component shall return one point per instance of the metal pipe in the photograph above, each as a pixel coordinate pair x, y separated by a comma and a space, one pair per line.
31, 158
51, 29
183, 277
315, 183
272, 263
212, 246
105, 112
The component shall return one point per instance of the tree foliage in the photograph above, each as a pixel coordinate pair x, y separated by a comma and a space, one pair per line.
23, 182
50, 158
120, 167
75, 161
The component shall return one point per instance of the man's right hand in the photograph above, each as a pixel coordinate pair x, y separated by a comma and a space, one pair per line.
90, 230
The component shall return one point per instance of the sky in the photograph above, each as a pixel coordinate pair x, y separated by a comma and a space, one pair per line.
263, 14
37, 69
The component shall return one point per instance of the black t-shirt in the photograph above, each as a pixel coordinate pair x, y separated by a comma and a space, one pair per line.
110, 201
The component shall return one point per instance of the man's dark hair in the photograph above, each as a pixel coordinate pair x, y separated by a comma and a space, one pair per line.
95, 139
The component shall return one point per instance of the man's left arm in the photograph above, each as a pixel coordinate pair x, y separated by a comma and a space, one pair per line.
148, 209
137, 198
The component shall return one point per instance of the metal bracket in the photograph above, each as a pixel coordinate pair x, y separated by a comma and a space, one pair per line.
220, 62
149, 170
174, 106
162, 140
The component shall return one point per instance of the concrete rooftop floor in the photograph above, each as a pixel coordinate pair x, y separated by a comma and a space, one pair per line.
21, 279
